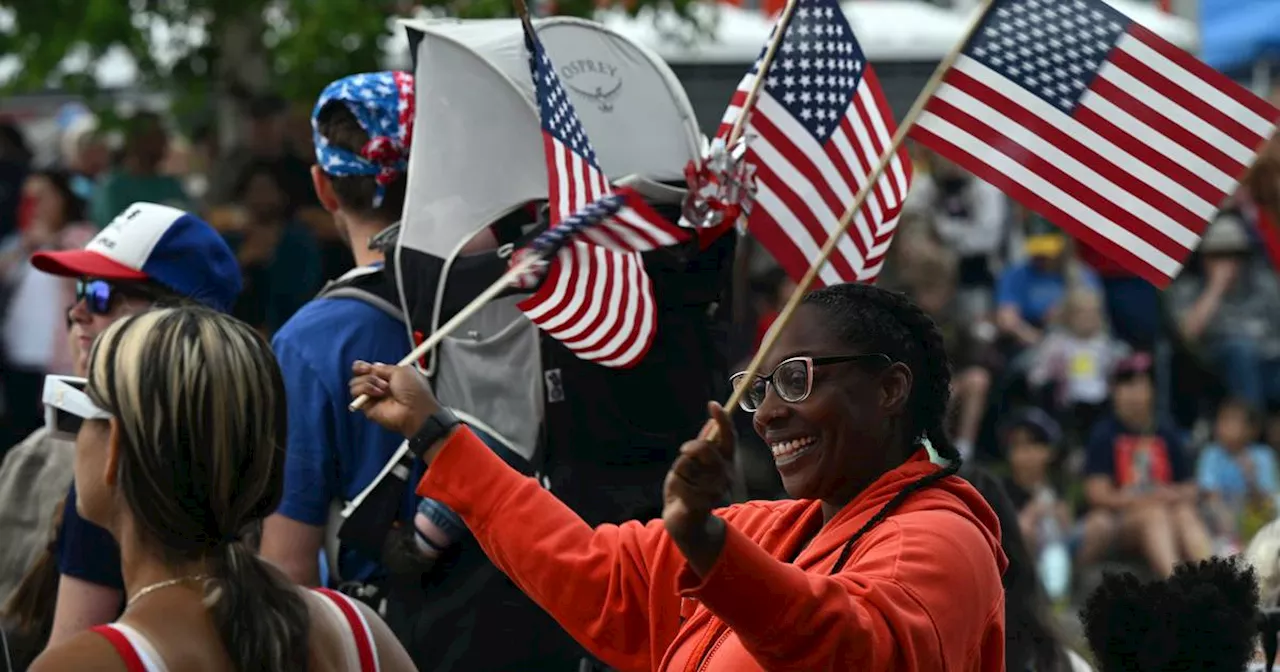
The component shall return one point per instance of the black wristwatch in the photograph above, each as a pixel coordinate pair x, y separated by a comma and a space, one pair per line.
436, 427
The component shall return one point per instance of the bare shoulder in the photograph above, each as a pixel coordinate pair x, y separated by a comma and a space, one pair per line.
327, 647
86, 652
391, 653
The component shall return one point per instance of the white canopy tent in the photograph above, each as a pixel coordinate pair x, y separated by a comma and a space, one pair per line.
888, 30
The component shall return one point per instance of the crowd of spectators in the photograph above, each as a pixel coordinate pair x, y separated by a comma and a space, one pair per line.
1129, 426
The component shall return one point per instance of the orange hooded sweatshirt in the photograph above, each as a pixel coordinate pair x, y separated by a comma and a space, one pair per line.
921, 590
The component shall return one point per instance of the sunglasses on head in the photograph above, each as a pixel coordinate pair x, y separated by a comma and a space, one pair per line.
67, 406
793, 378
99, 295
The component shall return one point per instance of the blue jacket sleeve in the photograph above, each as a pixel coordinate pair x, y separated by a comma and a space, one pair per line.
311, 460
86, 551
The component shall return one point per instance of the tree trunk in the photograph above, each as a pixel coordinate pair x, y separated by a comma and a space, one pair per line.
243, 71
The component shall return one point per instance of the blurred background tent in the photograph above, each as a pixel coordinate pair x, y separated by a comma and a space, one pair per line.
1242, 38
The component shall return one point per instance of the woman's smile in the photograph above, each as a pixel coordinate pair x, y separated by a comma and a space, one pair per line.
786, 453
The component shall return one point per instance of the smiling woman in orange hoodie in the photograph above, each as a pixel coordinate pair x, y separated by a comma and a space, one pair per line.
883, 561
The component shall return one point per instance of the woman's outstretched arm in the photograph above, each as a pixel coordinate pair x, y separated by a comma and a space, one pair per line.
594, 582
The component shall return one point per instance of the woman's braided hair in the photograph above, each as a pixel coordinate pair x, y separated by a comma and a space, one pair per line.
875, 320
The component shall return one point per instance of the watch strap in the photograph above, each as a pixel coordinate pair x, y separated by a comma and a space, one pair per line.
436, 427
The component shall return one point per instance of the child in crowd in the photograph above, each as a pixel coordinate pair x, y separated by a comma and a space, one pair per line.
1030, 439
1074, 362
1238, 473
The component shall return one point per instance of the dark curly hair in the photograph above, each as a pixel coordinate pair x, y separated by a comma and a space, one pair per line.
870, 319
1203, 618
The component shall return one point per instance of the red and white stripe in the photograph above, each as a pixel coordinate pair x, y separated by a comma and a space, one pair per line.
804, 188
598, 302
360, 649
597, 298
1157, 143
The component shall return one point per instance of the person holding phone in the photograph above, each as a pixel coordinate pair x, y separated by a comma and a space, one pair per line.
883, 561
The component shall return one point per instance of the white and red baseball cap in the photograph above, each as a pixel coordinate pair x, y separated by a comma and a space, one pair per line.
163, 244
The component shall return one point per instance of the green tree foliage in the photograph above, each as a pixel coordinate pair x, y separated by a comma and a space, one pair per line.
288, 47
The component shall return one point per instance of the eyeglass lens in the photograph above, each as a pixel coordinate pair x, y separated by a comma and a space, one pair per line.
790, 379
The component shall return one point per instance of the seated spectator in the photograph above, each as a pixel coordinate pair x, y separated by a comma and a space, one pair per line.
1132, 303
1030, 439
1239, 473
1232, 311
932, 284
178, 456
1029, 294
279, 257
1203, 618
1074, 362
1139, 488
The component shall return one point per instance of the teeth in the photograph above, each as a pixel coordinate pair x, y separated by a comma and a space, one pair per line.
788, 448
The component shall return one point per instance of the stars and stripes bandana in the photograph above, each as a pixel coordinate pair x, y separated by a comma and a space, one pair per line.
383, 104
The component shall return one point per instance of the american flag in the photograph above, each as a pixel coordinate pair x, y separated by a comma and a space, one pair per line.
817, 132
596, 298
1117, 136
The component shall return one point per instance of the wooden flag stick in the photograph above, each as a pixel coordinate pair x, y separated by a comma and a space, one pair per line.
761, 72
525, 265
522, 11
544, 247
802, 287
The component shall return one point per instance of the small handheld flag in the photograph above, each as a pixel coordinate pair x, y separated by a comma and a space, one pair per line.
815, 134
1122, 139
596, 297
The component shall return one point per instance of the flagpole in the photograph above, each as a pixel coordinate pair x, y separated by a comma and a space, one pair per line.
765, 63
524, 266
547, 245
908, 122
522, 11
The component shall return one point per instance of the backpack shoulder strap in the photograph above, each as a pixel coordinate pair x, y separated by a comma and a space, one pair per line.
367, 284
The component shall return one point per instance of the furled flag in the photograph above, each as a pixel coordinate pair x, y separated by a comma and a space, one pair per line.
1117, 136
596, 297
816, 133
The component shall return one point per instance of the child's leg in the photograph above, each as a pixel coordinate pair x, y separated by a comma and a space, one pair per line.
438, 527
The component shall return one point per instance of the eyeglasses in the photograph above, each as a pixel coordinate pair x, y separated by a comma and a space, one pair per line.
67, 406
793, 378
98, 295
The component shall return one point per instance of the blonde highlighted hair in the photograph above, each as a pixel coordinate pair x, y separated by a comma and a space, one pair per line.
199, 404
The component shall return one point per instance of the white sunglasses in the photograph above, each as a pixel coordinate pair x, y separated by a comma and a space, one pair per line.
66, 405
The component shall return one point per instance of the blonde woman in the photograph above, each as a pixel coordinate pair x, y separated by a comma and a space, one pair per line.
180, 450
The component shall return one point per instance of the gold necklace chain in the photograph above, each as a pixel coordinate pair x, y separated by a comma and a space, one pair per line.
147, 590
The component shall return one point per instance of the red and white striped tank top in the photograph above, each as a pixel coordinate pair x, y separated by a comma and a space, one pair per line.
359, 648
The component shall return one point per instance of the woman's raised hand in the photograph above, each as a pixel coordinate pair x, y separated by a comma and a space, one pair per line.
698, 482
399, 397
